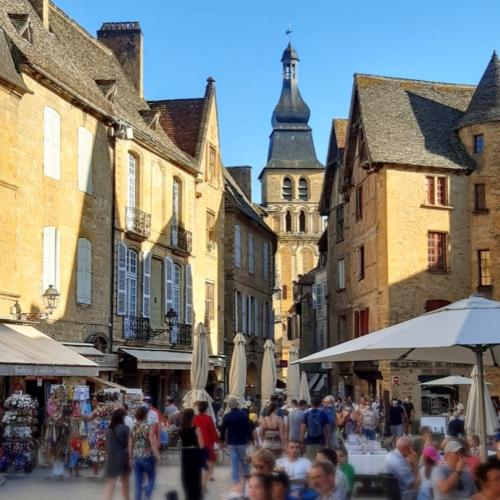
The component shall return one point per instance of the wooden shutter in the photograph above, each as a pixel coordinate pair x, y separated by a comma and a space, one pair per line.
146, 285
188, 291
84, 272
51, 143
243, 313
251, 259
364, 320
169, 284
121, 279
237, 246
85, 149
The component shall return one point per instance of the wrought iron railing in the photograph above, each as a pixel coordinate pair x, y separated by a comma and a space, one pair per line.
136, 328
182, 239
182, 335
138, 222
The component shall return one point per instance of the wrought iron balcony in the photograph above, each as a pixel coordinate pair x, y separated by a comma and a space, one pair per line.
137, 223
181, 239
182, 335
136, 328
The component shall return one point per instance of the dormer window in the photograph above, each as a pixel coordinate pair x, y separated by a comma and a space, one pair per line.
478, 144
22, 24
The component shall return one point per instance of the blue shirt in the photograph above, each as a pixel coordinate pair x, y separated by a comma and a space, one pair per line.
396, 464
236, 428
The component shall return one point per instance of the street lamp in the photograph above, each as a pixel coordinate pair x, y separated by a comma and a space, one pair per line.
50, 301
171, 319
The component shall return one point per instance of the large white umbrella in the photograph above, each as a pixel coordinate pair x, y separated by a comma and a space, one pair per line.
472, 418
293, 374
304, 389
238, 370
268, 373
451, 380
467, 331
199, 371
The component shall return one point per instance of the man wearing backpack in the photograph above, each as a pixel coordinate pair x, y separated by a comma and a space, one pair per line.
314, 432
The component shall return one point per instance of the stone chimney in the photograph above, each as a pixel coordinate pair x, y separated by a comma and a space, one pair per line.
125, 40
243, 177
42, 9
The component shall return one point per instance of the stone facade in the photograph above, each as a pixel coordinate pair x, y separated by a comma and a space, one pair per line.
249, 246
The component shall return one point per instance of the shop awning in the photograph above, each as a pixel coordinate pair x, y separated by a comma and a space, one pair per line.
25, 351
148, 359
107, 383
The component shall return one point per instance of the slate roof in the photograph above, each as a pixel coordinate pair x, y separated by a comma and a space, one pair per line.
181, 119
485, 103
8, 72
71, 57
411, 122
242, 203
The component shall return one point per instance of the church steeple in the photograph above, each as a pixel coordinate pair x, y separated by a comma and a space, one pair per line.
291, 143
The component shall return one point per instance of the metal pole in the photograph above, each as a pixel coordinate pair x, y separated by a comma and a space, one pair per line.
482, 413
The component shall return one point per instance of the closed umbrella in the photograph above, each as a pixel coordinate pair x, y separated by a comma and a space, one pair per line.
293, 375
466, 331
304, 389
199, 371
268, 378
238, 370
472, 413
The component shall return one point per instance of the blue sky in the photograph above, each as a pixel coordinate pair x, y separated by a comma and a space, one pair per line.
240, 43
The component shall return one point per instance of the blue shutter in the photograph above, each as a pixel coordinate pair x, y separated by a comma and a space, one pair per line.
121, 279
188, 290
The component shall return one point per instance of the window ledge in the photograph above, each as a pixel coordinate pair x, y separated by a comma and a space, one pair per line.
438, 207
480, 211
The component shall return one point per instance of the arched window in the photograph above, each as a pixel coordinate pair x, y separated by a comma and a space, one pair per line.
132, 181
287, 189
303, 189
288, 222
302, 222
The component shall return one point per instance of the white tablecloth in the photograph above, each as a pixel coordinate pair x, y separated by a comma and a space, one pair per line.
367, 464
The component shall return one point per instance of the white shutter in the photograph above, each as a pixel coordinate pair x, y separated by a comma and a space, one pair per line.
121, 279
169, 284
188, 290
49, 257
251, 261
237, 246
146, 285
175, 213
256, 318
235, 311
243, 313
85, 149
51, 143
341, 274
84, 272
265, 260
131, 181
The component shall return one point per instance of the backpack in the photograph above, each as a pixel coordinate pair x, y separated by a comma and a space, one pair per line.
314, 423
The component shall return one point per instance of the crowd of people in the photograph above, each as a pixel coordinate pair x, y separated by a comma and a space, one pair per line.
294, 450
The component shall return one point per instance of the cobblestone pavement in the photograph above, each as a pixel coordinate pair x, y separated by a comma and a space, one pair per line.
35, 486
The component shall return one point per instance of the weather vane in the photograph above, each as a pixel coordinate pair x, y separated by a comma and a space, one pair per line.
289, 31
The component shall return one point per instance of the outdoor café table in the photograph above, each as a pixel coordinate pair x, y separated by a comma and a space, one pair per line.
367, 464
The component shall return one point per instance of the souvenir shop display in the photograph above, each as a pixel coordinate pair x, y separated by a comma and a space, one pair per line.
133, 398
98, 421
16, 447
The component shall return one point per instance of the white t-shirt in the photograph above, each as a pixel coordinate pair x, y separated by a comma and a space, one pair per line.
297, 471
152, 417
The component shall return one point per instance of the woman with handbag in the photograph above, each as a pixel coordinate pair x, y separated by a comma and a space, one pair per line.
143, 449
117, 460
192, 461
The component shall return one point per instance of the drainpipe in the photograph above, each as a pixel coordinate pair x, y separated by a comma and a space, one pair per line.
112, 141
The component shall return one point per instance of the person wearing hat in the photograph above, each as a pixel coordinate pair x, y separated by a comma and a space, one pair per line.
450, 480
430, 457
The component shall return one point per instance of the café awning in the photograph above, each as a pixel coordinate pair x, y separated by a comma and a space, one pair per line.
25, 351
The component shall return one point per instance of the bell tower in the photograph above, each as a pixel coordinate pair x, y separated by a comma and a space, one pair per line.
291, 184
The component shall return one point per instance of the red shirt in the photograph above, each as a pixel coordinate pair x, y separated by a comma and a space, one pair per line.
207, 428
76, 445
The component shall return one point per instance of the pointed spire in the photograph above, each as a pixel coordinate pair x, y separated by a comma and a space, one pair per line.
485, 103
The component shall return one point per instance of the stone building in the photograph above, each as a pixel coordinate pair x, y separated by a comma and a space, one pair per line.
291, 187
249, 248
409, 228
100, 197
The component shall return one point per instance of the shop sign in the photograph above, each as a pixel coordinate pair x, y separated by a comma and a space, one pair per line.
396, 380
283, 363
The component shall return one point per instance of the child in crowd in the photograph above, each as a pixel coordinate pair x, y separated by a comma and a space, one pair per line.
75, 457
